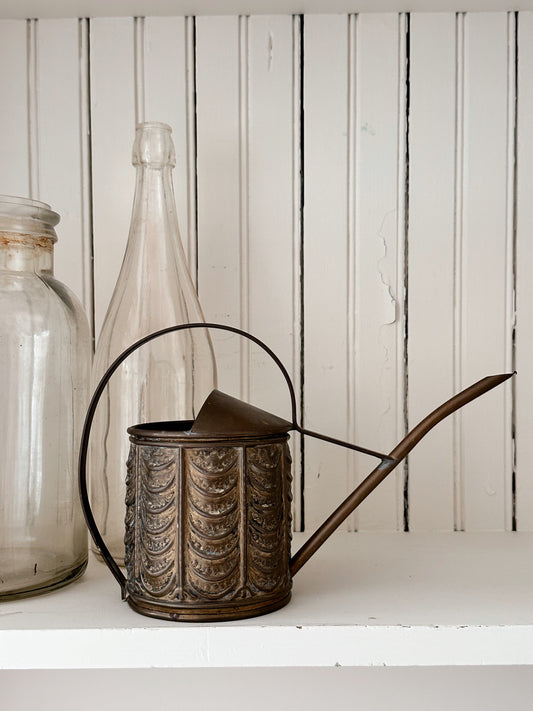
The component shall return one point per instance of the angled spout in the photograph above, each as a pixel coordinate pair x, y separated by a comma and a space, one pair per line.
386, 466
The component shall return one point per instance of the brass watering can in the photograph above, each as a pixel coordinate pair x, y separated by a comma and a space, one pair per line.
208, 502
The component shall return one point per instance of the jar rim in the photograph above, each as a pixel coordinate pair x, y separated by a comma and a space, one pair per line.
12, 205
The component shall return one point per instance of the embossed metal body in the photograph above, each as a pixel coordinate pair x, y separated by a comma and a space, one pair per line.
208, 525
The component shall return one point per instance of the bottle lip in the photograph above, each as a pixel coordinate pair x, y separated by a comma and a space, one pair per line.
153, 124
14, 206
153, 145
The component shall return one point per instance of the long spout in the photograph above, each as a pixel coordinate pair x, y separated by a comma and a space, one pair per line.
387, 465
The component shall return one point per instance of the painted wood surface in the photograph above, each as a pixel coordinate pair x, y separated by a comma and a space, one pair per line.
353, 189
375, 599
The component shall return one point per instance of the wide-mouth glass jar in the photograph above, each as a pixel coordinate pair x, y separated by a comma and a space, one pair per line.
45, 359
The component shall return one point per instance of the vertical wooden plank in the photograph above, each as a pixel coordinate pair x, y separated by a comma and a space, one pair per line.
485, 319
325, 253
297, 263
524, 283
169, 97
271, 204
432, 137
113, 127
219, 146
14, 177
379, 245
273, 249
60, 168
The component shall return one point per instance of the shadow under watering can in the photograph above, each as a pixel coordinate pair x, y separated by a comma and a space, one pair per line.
208, 502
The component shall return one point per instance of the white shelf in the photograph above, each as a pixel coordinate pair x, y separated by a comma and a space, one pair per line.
363, 600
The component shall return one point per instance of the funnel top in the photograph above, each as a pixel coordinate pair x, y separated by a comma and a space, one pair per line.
225, 415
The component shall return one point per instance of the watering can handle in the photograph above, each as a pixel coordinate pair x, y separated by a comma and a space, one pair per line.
82, 466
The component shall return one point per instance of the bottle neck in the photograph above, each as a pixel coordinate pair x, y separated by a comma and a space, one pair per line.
154, 232
26, 253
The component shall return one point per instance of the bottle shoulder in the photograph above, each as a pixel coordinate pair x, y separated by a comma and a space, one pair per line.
68, 298
145, 302
31, 303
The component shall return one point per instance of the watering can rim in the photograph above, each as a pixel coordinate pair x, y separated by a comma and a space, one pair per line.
221, 416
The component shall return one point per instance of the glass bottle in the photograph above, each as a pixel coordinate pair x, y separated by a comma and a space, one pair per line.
167, 379
45, 354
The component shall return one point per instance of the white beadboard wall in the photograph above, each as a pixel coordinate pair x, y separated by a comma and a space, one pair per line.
353, 189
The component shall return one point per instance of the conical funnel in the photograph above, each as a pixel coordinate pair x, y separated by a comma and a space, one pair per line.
224, 415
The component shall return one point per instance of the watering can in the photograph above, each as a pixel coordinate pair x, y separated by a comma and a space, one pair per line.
208, 502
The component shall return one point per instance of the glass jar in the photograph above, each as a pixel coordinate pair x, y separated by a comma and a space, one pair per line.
165, 380
45, 354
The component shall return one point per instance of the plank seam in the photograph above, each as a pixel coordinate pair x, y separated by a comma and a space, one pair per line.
351, 257
139, 68
244, 200
84, 35
458, 483
402, 355
192, 153
32, 86
301, 122
510, 356
297, 256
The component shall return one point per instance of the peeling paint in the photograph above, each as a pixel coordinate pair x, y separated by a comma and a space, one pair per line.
270, 51
386, 270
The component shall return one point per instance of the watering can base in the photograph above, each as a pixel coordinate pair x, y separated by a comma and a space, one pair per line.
209, 612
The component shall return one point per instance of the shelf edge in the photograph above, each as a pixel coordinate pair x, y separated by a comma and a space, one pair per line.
261, 646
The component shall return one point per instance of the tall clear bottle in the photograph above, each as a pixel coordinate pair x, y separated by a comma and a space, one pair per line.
169, 378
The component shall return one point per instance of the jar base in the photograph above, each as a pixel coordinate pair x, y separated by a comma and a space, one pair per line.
45, 584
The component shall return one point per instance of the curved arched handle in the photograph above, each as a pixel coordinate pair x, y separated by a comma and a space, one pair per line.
82, 466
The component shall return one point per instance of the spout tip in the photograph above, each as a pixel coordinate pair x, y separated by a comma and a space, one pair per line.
500, 378
506, 376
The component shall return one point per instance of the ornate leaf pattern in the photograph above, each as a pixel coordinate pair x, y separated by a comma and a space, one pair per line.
269, 520
228, 512
212, 494
129, 534
158, 520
